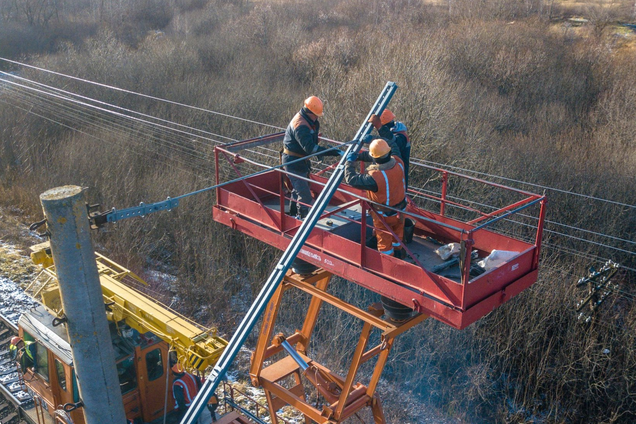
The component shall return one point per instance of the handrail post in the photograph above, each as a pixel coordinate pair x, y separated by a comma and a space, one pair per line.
281, 195
216, 172
537, 241
363, 232
442, 206
467, 246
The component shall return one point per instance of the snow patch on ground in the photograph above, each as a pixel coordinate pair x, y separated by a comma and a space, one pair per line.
16, 271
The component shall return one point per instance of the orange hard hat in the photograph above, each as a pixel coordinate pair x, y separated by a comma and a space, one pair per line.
379, 148
386, 117
314, 104
15, 341
177, 368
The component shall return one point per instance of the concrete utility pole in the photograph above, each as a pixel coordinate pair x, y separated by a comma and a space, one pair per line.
89, 337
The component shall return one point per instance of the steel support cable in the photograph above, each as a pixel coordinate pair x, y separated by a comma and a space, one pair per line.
584, 255
177, 145
156, 98
78, 115
167, 121
168, 163
281, 128
69, 93
522, 182
547, 221
90, 122
98, 108
125, 128
140, 94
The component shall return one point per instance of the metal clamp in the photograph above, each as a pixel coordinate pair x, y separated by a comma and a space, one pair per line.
37, 225
70, 407
59, 320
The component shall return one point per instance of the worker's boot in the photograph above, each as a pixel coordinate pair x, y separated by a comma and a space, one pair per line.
302, 213
293, 209
399, 253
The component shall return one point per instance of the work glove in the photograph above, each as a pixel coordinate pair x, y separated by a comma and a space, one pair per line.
375, 121
367, 139
352, 157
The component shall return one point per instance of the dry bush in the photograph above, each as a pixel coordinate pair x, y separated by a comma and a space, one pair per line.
515, 99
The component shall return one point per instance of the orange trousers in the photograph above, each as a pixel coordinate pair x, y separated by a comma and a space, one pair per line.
386, 242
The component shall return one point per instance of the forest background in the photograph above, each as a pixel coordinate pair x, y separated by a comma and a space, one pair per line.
503, 87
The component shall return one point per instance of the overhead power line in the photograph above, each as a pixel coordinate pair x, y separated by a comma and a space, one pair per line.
558, 190
139, 94
166, 127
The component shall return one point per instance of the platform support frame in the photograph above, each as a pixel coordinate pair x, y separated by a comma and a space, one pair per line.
342, 396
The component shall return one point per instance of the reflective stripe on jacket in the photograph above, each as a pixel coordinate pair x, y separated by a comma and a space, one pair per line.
190, 387
390, 182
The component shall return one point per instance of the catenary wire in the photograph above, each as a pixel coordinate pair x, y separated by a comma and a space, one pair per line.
167, 163
276, 127
565, 235
424, 162
57, 112
140, 94
171, 122
546, 230
195, 130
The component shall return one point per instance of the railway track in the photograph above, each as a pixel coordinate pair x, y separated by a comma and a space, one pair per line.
14, 400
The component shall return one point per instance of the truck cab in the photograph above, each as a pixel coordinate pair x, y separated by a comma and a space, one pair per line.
142, 365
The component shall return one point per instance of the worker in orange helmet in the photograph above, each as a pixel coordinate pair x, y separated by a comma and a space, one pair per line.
385, 184
391, 129
301, 139
184, 389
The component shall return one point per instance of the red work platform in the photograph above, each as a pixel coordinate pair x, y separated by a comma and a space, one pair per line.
454, 295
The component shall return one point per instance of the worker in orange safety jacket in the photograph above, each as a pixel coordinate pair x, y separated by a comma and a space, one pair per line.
184, 389
385, 184
390, 128
300, 140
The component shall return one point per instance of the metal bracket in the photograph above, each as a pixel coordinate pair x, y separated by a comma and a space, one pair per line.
59, 320
70, 407
98, 219
37, 225
599, 288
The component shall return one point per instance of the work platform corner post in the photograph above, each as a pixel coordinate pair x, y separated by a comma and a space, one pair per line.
83, 303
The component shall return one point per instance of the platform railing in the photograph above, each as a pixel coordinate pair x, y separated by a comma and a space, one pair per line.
484, 220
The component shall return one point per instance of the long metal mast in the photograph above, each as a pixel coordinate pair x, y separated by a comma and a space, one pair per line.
274, 280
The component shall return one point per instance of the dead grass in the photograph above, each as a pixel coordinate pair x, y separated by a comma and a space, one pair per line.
494, 86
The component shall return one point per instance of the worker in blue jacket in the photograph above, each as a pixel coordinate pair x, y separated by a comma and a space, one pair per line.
301, 139
390, 128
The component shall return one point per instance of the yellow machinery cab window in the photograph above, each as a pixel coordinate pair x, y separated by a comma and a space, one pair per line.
61, 376
154, 364
36, 356
42, 361
127, 375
